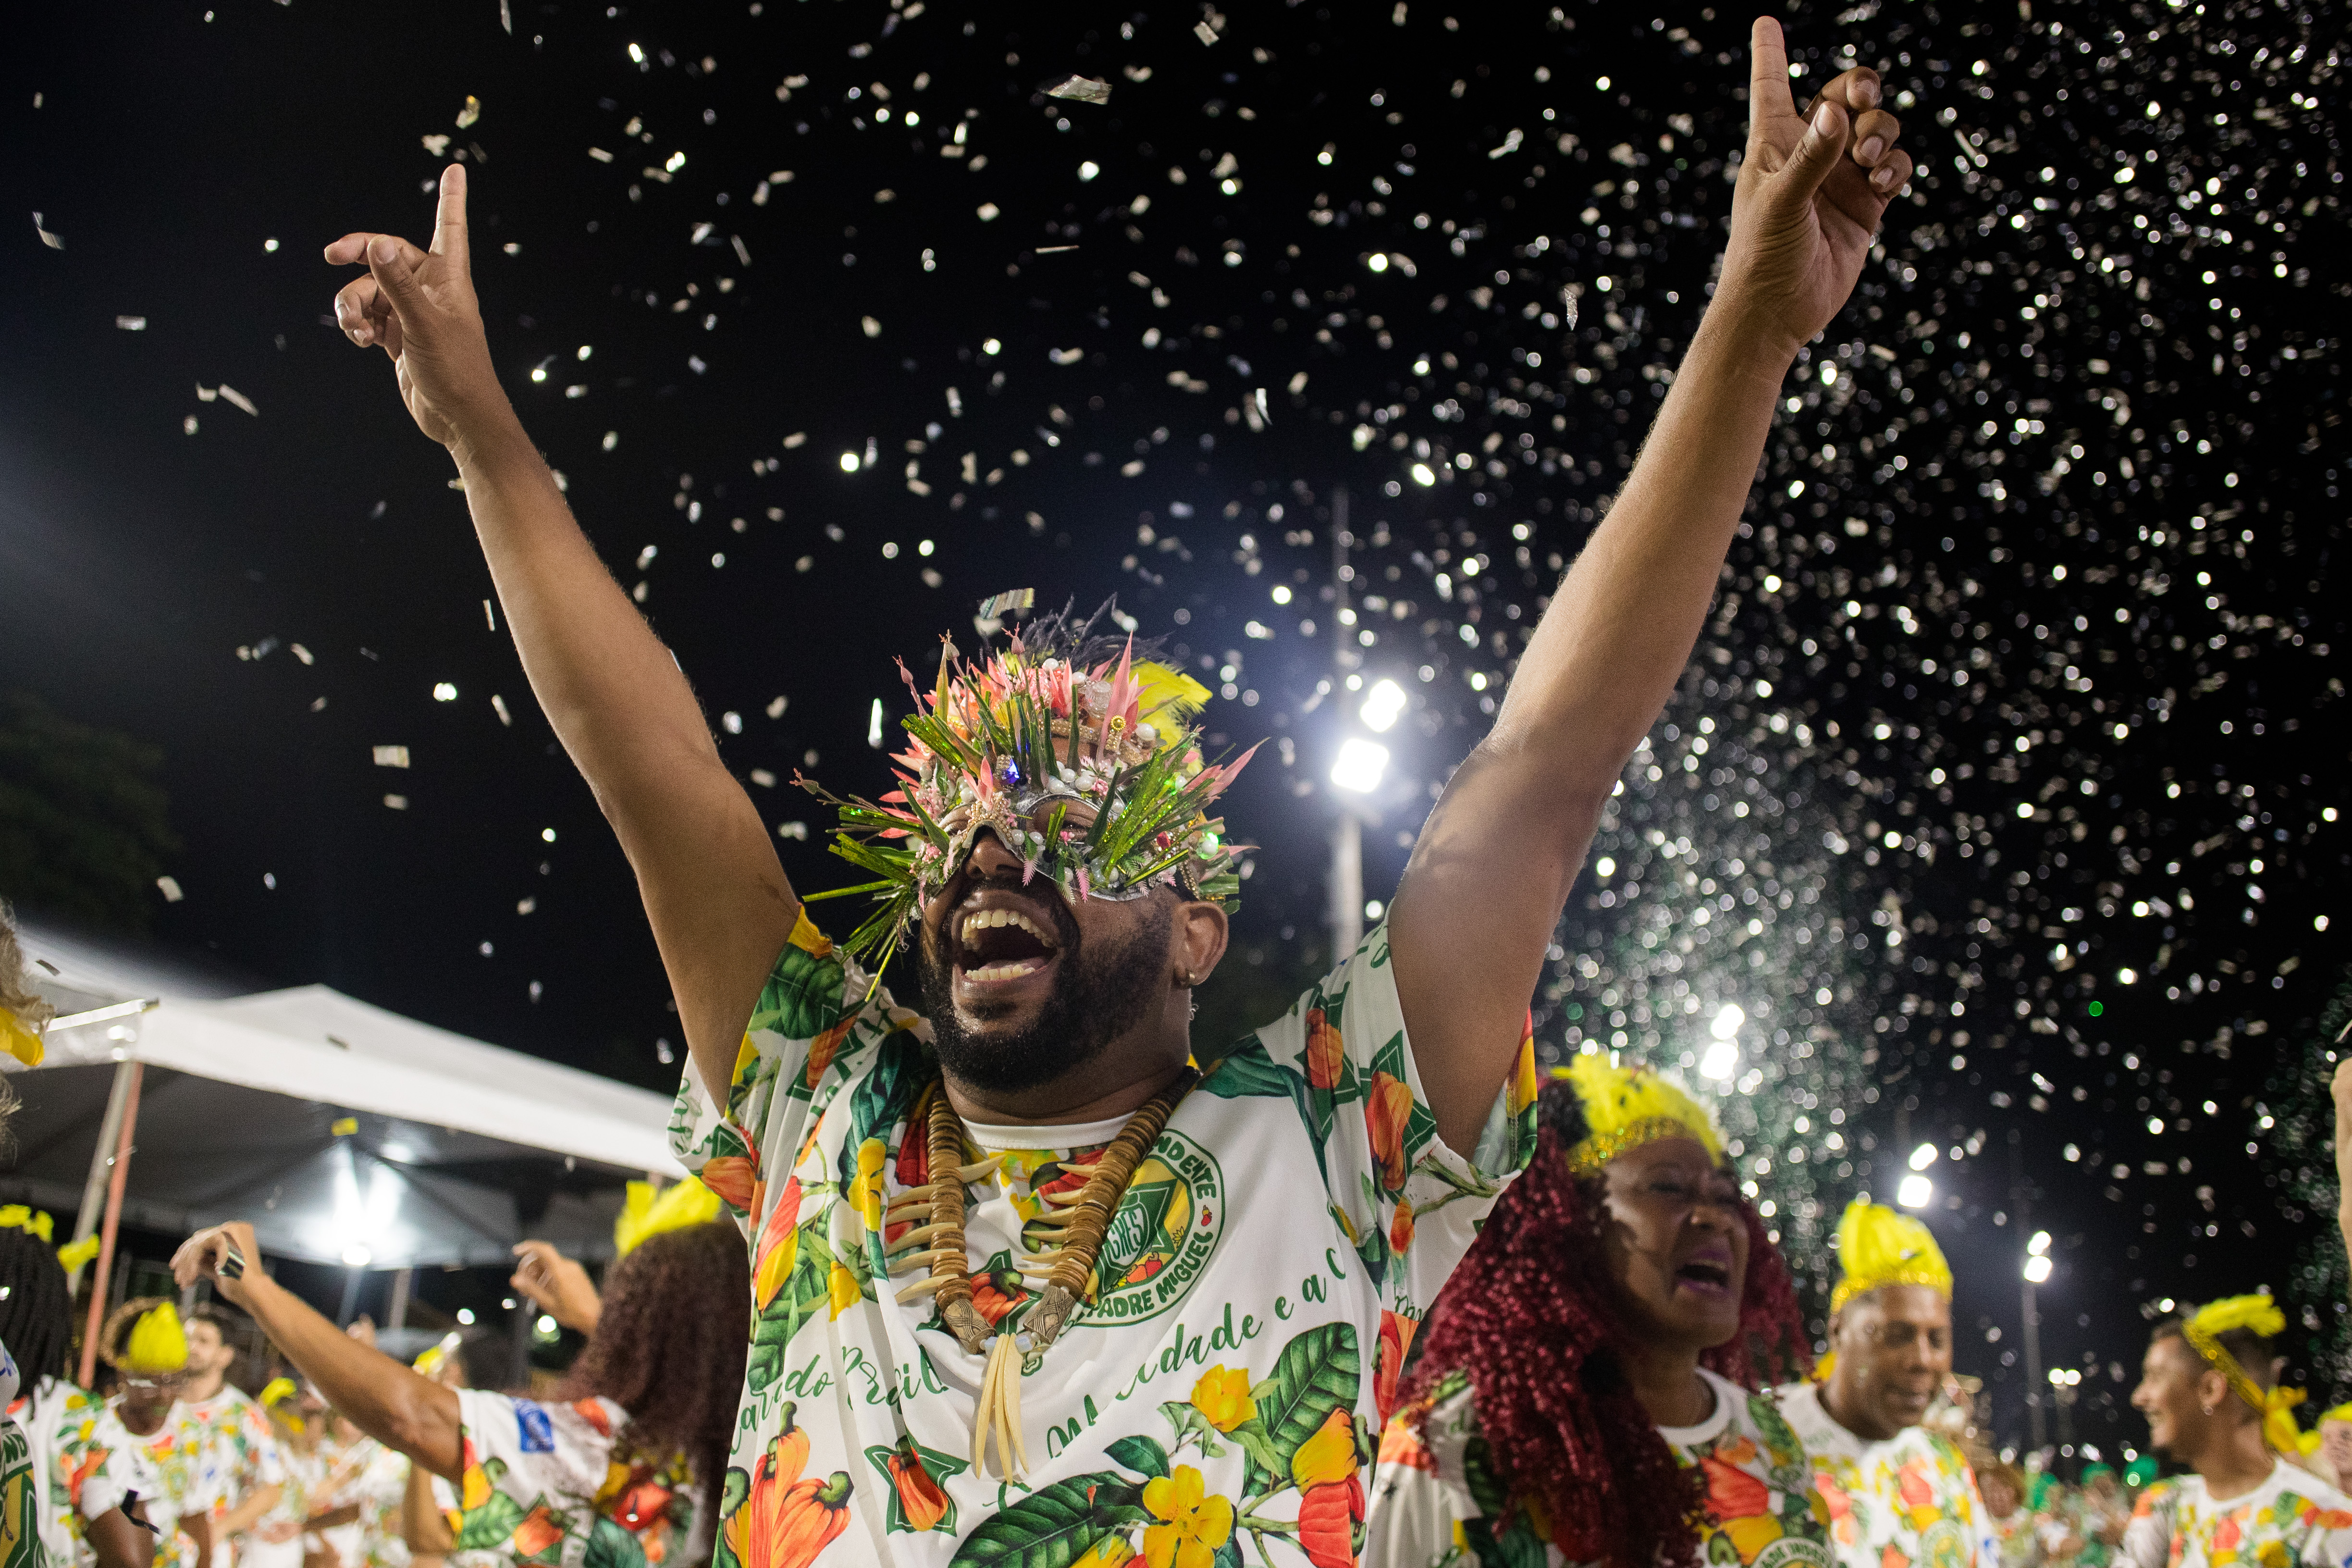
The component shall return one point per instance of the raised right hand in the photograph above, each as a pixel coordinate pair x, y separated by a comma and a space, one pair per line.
557, 1285
418, 306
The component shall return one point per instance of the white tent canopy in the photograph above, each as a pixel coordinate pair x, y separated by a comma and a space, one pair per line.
346, 1133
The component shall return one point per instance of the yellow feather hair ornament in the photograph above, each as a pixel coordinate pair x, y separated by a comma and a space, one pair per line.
645, 1214
1878, 1246
156, 1342
1626, 1107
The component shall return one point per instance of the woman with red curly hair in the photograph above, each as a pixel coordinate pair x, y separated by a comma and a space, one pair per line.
1590, 1388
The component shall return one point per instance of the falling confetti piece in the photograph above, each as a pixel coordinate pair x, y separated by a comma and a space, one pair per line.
169, 886
470, 114
51, 240
1205, 33
390, 756
132, 323
1082, 90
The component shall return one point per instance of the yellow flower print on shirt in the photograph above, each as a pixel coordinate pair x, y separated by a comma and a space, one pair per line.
1222, 1397
1191, 1525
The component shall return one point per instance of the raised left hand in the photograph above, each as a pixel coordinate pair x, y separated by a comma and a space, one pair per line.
203, 1254
1809, 197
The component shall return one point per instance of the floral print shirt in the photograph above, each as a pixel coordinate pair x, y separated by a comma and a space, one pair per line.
558, 1485
20, 1481
1441, 1503
45, 1414
1216, 1394
236, 1448
1908, 1502
100, 1463
2294, 1519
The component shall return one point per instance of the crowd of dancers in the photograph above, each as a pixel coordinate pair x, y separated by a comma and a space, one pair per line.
1617, 1372
1023, 1274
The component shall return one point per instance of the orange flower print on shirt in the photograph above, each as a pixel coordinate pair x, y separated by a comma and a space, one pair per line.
1396, 1339
1386, 1110
1893, 1557
1325, 1050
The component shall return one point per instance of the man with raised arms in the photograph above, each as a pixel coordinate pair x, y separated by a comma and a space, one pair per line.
1031, 1281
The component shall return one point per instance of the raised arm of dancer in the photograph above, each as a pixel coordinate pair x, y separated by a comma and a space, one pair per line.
716, 894
400, 1408
1498, 857
2343, 1088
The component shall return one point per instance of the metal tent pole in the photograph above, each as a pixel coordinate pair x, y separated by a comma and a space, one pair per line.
93, 1188
97, 1292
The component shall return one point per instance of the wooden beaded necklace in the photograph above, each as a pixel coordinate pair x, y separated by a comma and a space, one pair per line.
1066, 1265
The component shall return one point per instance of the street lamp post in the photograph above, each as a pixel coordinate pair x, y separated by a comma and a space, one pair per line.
1348, 829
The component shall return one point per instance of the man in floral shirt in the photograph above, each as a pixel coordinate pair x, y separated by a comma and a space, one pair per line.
2209, 1389
1900, 1494
1247, 1293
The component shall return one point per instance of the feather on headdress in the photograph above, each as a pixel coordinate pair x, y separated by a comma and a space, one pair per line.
1879, 1246
1626, 1107
645, 1214
1086, 765
156, 1342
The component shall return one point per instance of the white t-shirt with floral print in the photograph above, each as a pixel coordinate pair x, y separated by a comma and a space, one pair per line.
1909, 1501
1442, 1500
2293, 1520
1217, 1395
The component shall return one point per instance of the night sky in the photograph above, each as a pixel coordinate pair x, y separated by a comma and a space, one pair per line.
2004, 795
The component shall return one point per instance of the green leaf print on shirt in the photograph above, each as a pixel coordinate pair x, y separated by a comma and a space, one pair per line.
1318, 1373
1054, 1526
610, 1546
803, 997
491, 1525
804, 1296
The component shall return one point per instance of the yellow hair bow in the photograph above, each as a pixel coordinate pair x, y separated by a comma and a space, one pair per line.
2260, 1315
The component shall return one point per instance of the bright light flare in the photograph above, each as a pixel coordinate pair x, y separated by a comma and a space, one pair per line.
1359, 765
1915, 1192
1721, 1060
1728, 1021
1923, 1156
1383, 705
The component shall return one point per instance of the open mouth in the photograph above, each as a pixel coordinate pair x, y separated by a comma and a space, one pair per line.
996, 944
1709, 1276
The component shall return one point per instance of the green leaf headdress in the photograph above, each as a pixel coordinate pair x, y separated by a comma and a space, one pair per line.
1086, 765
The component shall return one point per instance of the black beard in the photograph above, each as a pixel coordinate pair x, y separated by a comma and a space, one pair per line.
1097, 998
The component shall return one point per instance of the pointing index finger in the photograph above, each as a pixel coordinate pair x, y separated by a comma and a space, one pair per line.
449, 222
1768, 74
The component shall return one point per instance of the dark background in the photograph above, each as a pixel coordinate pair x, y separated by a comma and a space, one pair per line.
2076, 440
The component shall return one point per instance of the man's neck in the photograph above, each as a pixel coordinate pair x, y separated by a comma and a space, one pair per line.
2234, 1463
198, 1389
1845, 1409
1668, 1385
1085, 1095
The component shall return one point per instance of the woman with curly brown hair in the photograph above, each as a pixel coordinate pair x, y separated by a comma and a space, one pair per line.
1588, 1388
627, 1458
